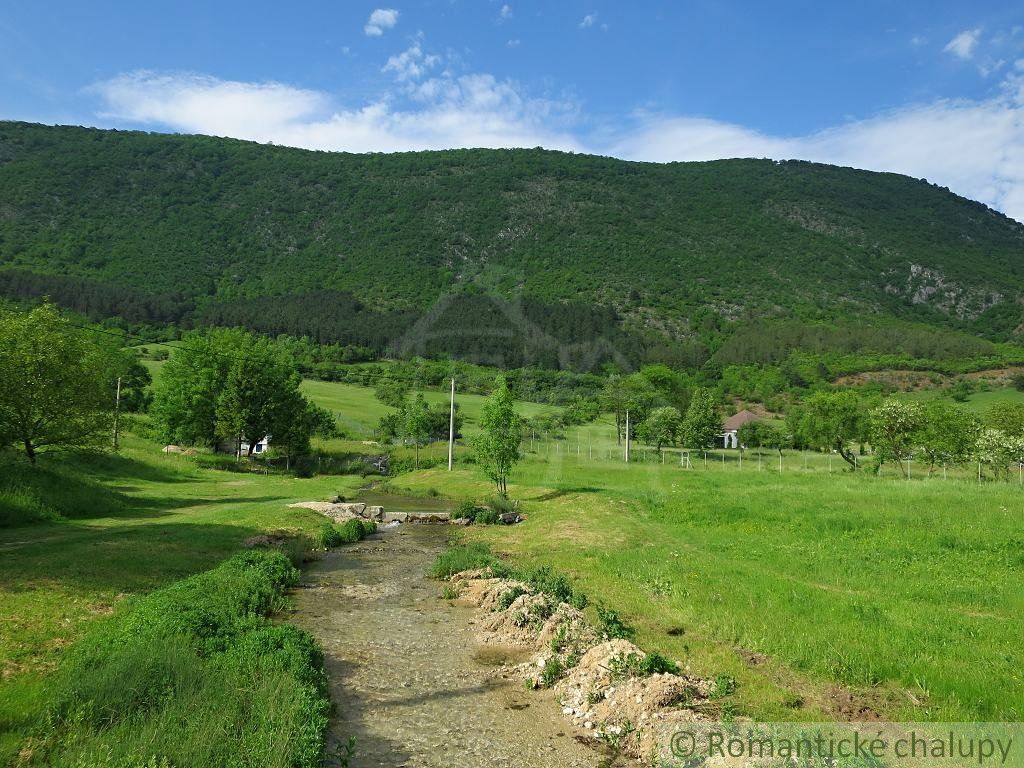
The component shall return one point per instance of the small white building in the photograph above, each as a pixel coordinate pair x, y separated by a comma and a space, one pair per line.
731, 427
260, 447
229, 446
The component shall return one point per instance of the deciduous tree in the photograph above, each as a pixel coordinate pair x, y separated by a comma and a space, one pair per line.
834, 420
661, 427
948, 434
56, 382
895, 428
702, 423
497, 446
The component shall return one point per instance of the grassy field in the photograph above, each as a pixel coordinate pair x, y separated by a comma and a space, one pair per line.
823, 594
147, 519
979, 402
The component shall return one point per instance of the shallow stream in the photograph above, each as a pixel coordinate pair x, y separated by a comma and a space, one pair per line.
409, 682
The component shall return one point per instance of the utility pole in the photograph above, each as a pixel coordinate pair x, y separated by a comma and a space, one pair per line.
627, 436
451, 429
117, 410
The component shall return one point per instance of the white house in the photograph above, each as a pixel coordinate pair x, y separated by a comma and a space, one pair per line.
731, 427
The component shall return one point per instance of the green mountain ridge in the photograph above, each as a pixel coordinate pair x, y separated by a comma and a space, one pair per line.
184, 229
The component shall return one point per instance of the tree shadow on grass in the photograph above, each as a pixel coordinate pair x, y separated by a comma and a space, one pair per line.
117, 467
127, 559
90, 487
560, 492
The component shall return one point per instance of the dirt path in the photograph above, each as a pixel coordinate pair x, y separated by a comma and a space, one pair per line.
405, 674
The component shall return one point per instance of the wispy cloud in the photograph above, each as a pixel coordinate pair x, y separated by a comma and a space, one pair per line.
380, 20
963, 45
588, 21
505, 13
411, 64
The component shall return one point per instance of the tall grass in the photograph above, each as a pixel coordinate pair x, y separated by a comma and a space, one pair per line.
193, 674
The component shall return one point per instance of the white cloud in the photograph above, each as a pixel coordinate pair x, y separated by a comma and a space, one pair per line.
411, 64
514, 43
588, 21
380, 20
505, 13
476, 110
991, 66
974, 147
202, 104
962, 46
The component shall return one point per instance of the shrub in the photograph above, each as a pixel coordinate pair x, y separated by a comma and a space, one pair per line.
635, 665
486, 517
471, 510
509, 596
553, 669
463, 557
612, 626
332, 535
500, 505
544, 579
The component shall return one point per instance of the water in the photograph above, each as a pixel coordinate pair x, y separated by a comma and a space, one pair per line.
409, 682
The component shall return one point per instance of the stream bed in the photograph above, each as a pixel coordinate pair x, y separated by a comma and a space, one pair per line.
408, 680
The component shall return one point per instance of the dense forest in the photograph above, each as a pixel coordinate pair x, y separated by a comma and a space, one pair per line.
508, 257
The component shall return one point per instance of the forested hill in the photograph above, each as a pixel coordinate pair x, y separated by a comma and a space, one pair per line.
191, 229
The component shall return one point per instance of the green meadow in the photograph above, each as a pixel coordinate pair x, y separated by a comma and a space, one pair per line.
821, 593
130, 524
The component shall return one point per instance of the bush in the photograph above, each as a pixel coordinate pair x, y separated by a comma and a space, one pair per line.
612, 626
553, 669
478, 514
635, 665
486, 517
510, 596
543, 579
194, 674
467, 509
332, 535
500, 505
464, 557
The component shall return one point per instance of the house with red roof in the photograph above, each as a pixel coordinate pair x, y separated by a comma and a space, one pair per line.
731, 427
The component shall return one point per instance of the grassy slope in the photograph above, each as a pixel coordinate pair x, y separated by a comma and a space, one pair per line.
174, 519
979, 402
359, 410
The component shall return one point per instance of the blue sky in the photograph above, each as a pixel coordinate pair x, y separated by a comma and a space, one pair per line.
932, 89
